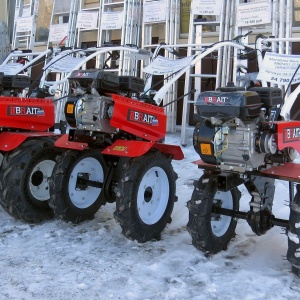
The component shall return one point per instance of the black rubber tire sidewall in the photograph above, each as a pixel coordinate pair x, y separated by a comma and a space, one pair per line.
60, 201
15, 195
126, 205
199, 224
293, 232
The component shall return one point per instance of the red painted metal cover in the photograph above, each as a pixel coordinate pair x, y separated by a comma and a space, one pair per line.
11, 140
141, 119
173, 150
63, 142
128, 148
26, 113
288, 134
132, 148
287, 171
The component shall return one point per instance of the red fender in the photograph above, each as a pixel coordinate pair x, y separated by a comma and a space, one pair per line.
132, 148
11, 140
128, 148
63, 142
173, 150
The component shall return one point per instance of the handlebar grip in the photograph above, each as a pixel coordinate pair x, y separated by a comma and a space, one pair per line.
26, 51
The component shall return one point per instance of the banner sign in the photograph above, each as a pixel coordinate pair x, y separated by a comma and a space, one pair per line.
250, 14
58, 32
162, 65
112, 20
64, 65
154, 11
11, 68
24, 24
279, 68
207, 7
87, 20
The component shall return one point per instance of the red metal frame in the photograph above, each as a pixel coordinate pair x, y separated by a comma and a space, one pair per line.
138, 118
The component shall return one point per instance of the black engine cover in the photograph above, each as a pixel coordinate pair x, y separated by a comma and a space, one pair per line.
225, 106
103, 82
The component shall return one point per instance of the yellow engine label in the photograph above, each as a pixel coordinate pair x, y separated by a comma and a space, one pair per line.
70, 108
119, 148
205, 149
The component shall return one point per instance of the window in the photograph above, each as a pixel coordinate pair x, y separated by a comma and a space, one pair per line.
296, 13
43, 21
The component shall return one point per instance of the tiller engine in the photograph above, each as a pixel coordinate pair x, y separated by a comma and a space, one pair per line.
240, 141
114, 152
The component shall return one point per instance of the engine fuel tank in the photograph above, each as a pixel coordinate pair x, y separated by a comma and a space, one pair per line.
226, 106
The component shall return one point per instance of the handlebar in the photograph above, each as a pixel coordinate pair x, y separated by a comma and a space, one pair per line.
97, 51
161, 92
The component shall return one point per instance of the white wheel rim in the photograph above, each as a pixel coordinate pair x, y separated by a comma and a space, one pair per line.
38, 181
83, 198
219, 227
153, 195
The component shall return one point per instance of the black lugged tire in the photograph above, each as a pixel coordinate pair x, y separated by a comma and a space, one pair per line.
208, 233
25, 172
145, 195
293, 233
70, 203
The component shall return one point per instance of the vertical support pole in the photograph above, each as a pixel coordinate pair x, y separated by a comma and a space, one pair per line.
292, 190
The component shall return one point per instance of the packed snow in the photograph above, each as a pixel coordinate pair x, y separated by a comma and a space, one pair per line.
93, 260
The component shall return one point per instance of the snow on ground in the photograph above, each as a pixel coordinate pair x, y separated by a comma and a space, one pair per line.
93, 260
